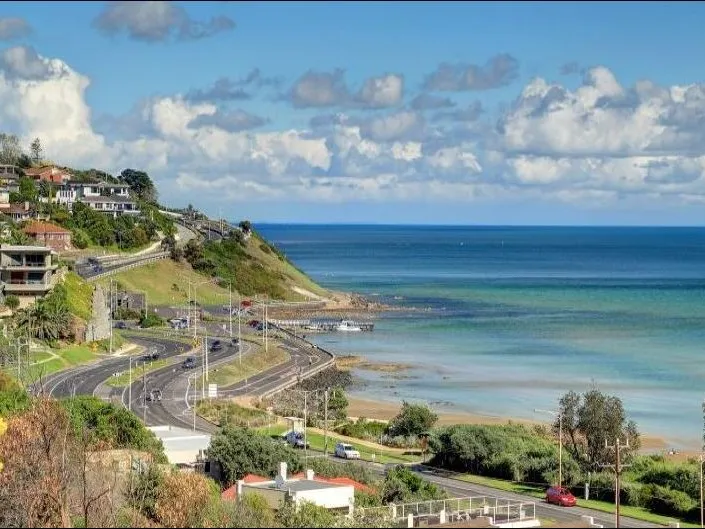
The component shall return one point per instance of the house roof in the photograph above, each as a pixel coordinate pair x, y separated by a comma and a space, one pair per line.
231, 492
19, 208
37, 226
337, 481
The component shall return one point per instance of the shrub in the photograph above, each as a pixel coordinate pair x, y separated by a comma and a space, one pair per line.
80, 239
151, 319
12, 302
413, 419
363, 429
667, 501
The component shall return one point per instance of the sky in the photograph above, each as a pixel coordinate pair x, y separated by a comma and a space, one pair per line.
587, 113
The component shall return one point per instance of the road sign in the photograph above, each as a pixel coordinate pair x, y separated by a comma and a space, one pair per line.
212, 391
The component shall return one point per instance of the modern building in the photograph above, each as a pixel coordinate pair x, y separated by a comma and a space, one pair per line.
48, 234
105, 197
334, 496
27, 270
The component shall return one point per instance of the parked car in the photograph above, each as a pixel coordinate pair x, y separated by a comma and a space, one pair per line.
120, 325
189, 363
235, 341
560, 496
296, 439
346, 451
217, 345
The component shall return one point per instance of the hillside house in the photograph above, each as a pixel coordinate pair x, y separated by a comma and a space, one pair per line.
48, 174
49, 234
20, 212
27, 270
113, 199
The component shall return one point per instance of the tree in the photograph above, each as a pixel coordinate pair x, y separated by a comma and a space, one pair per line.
140, 183
591, 420
402, 485
28, 191
305, 515
183, 499
48, 318
412, 420
10, 150
245, 226
240, 451
36, 150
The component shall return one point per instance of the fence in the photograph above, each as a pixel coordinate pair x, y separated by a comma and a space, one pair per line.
458, 509
130, 263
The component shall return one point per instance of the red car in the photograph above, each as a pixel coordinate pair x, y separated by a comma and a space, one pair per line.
561, 497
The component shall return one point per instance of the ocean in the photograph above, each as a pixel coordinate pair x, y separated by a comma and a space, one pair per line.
513, 317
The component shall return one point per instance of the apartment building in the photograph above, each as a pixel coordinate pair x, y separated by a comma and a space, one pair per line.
27, 270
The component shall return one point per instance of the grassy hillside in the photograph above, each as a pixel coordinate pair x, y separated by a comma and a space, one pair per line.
166, 283
255, 267
79, 295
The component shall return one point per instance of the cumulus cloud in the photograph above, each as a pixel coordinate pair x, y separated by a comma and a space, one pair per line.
157, 21
500, 70
225, 89
329, 89
600, 141
431, 102
232, 121
12, 28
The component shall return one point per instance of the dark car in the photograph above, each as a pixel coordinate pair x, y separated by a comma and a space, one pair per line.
155, 395
560, 496
120, 325
189, 363
217, 345
235, 341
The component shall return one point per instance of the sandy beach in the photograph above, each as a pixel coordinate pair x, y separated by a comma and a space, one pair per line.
384, 410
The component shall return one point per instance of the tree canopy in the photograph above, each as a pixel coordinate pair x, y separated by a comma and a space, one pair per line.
412, 420
140, 183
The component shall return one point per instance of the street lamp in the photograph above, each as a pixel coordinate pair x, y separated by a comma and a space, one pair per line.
560, 442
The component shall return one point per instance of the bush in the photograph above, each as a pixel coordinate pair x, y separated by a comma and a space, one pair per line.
151, 319
79, 238
363, 429
667, 501
413, 419
333, 469
12, 302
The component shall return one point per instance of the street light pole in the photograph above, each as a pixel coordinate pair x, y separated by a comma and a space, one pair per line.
560, 442
239, 330
129, 397
111, 317
230, 312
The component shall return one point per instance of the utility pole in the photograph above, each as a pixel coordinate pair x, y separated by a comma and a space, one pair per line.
325, 422
203, 370
239, 333
305, 424
618, 467
111, 317
129, 396
266, 328
144, 391
230, 312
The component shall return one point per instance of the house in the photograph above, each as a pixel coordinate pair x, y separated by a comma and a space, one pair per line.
48, 234
181, 446
333, 496
4, 199
26, 270
105, 197
10, 177
20, 212
48, 174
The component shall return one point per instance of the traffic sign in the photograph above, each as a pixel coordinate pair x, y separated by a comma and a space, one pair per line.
212, 391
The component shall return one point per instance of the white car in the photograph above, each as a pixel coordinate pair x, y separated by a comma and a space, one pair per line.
346, 451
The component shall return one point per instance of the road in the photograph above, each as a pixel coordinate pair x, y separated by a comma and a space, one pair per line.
175, 408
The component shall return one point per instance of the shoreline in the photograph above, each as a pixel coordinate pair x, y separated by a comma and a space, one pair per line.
387, 409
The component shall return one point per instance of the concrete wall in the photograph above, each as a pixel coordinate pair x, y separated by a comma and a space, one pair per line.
99, 326
330, 498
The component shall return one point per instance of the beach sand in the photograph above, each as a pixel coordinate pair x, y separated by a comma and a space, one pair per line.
384, 411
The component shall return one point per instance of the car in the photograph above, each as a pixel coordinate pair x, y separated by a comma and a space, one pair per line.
155, 395
235, 341
296, 439
189, 363
560, 496
120, 325
346, 451
217, 345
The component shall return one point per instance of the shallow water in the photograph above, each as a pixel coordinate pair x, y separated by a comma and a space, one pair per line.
518, 316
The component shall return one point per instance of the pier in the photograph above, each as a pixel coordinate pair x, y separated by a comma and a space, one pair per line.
324, 325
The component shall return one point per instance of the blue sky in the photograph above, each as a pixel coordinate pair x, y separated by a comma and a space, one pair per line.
617, 140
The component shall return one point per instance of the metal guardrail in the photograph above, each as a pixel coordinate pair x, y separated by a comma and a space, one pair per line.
131, 263
308, 374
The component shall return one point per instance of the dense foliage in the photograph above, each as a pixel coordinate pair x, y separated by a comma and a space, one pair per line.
48, 318
109, 426
241, 451
401, 485
412, 420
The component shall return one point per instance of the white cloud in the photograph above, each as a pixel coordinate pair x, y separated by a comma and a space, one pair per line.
599, 142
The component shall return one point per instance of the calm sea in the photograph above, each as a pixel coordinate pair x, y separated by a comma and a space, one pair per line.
516, 316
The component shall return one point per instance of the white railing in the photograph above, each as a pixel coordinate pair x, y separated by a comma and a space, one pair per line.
131, 263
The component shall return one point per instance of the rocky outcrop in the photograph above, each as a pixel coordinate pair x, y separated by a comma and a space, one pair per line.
99, 326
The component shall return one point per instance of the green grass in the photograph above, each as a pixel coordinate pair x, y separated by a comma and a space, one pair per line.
80, 296
160, 332
137, 371
222, 412
167, 283
638, 513
69, 356
233, 372
317, 442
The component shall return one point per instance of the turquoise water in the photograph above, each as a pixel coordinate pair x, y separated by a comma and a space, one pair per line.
514, 317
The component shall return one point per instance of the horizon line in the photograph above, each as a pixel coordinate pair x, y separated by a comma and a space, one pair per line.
476, 225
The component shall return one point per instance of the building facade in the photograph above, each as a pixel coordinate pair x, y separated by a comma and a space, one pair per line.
112, 199
27, 270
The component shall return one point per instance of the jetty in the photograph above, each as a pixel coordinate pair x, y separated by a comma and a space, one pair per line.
323, 325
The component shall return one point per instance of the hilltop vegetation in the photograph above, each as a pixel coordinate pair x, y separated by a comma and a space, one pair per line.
253, 266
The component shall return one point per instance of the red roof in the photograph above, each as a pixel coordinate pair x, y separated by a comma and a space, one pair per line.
231, 492
361, 487
38, 226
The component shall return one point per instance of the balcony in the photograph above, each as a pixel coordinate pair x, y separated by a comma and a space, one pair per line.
28, 266
28, 285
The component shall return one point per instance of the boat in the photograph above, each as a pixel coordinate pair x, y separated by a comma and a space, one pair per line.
348, 326
313, 327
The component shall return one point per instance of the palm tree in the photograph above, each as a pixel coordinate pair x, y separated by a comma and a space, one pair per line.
47, 319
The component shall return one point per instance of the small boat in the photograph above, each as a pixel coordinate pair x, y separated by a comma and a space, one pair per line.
313, 327
347, 326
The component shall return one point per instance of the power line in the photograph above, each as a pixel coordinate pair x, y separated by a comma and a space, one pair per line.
618, 467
